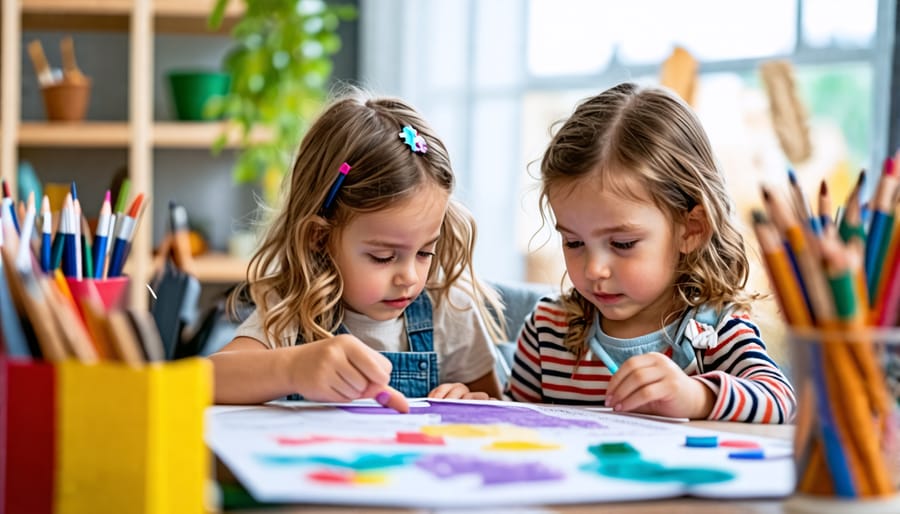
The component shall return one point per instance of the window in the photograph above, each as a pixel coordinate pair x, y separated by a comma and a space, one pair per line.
493, 76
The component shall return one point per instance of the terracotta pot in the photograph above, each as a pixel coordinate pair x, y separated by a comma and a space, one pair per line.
66, 101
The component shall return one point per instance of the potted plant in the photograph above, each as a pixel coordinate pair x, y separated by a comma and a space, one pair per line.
280, 69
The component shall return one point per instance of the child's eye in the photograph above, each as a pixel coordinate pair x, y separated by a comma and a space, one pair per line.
381, 260
573, 244
623, 245
425, 255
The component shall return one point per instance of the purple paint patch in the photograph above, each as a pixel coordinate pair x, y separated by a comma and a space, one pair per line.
483, 414
491, 472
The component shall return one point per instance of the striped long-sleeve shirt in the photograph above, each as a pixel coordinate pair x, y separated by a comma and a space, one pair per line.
747, 383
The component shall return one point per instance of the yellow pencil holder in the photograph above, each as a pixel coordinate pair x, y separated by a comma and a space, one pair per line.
847, 435
131, 439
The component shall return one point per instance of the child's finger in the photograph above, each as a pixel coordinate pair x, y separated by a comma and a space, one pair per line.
376, 368
444, 391
394, 399
642, 396
640, 373
352, 379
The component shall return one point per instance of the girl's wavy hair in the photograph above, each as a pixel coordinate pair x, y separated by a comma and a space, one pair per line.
292, 278
628, 136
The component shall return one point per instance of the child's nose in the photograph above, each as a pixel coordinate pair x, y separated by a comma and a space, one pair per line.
406, 274
596, 267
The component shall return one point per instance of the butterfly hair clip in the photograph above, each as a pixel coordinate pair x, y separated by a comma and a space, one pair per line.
412, 138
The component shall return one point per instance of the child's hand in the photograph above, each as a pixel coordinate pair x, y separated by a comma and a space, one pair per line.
653, 384
340, 369
456, 391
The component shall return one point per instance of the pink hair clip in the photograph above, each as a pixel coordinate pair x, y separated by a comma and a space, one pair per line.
412, 138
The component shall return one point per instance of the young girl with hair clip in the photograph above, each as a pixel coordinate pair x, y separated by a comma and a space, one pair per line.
363, 284
657, 321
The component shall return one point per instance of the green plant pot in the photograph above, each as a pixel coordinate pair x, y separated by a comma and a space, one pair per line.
191, 90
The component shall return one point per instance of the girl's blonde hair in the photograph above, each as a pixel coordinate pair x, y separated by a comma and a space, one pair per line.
647, 136
292, 278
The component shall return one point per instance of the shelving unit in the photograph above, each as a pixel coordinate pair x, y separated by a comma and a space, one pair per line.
139, 133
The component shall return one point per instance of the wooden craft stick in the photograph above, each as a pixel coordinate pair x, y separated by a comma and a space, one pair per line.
39, 61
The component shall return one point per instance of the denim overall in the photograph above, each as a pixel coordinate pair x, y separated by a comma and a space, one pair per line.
414, 372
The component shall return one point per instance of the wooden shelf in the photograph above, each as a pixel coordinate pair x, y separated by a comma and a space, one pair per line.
91, 134
210, 267
96, 134
138, 134
197, 135
220, 267
113, 15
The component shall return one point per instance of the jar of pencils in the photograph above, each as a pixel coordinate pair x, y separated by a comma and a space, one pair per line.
847, 438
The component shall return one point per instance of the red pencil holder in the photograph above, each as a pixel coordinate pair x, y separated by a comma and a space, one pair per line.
111, 291
28, 434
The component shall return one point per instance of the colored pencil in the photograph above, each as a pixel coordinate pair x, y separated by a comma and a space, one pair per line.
46, 234
101, 241
878, 239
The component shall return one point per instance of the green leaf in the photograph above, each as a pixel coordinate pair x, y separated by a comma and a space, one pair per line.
217, 15
219, 143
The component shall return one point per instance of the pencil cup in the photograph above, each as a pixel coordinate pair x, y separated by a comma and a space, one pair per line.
27, 422
847, 435
131, 439
111, 291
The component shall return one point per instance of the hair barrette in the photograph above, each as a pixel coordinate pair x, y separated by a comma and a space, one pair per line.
332, 193
412, 138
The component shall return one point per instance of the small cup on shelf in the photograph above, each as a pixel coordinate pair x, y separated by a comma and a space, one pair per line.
67, 100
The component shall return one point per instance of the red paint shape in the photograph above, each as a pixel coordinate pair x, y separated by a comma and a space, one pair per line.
739, 444
323, 439
298, 441
419, 438
326, 476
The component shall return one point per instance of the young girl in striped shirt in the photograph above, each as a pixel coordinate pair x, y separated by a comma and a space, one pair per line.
657, 321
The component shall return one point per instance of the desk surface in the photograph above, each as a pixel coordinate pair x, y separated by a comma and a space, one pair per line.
668, 506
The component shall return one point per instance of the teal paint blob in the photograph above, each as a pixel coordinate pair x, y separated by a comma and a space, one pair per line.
362, 462
613, 450
621, 460
653, 472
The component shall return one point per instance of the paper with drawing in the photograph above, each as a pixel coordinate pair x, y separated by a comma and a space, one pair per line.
457, 454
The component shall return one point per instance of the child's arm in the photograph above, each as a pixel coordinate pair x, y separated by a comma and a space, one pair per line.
744, 384
747, 383
482, 388
525, 379
341, 368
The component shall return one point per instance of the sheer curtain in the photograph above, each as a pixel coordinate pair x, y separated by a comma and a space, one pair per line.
461, 63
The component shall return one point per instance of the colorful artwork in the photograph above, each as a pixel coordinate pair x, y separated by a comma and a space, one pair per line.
447, 454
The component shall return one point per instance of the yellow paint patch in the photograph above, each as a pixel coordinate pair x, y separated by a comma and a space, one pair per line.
369, 479
521, 446
474, 431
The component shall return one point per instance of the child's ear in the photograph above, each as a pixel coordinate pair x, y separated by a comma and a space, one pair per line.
696, 230
319, 230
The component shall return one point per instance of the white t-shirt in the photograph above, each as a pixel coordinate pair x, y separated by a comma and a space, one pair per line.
461, 340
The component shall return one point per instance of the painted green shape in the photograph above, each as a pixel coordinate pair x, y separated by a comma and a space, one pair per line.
631, 469
614, 450
362, 462
653, 472
700, 476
